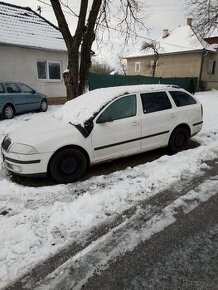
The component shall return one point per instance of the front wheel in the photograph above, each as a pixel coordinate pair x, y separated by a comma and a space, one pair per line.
67, 165
8, 112
179, 140
43, 106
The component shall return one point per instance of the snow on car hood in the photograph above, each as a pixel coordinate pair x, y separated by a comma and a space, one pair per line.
79, 110
40, 130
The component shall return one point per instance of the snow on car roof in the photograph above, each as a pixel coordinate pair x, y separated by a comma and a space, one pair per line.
82, 108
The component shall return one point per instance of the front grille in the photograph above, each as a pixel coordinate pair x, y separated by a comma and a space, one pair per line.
6, 143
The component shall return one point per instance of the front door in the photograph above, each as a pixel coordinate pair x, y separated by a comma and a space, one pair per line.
13, 94
31, 98
117, 130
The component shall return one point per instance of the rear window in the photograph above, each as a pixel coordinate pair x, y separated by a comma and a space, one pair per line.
182, 99
153, 102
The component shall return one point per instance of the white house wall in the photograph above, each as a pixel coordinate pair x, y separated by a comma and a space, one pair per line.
20, 64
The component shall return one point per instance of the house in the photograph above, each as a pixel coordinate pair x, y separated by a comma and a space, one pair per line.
179, 53
210, 65
32, 51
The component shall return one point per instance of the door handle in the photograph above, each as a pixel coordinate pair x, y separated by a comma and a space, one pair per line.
172, 115
135, 123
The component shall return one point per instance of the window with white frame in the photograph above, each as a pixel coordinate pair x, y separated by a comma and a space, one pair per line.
49, 70
137, 66
211, 67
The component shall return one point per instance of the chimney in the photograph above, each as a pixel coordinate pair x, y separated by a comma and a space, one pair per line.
165, 33
189, 21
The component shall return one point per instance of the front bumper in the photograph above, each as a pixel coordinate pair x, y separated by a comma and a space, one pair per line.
35, 164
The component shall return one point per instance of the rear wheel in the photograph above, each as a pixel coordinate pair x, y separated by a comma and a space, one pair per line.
68, 165
8, 112
43, 106
179, 140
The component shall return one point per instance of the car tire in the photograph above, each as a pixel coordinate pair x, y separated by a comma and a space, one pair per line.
179, 140
8, 112
68, 165
43, 105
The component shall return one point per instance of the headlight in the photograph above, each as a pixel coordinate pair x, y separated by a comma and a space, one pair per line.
23, 149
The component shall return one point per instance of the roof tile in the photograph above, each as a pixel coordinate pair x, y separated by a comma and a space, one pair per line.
24, 27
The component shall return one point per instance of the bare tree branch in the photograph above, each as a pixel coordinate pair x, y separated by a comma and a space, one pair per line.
62, 23
68, 7
204, 14
154, 47
123, 16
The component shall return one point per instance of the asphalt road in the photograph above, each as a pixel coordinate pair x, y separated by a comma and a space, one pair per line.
167, 242
183, 256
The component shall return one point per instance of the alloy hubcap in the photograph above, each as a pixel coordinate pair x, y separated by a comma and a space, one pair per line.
43, 105
9, 112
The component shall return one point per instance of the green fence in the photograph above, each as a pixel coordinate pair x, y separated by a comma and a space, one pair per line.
97, 81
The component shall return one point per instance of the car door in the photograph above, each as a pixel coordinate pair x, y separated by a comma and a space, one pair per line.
13, 95
157, 121
117, 129
31, 97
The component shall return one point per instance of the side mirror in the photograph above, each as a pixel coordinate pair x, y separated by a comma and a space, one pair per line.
103, 119
33, 91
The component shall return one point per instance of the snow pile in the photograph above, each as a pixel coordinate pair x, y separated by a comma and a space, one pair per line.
37, 222
79, 110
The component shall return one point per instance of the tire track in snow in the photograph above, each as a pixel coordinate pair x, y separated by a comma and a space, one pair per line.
124, 238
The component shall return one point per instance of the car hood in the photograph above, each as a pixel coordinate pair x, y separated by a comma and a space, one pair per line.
44, 133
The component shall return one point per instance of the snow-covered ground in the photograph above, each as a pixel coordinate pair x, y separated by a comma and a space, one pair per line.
36, 222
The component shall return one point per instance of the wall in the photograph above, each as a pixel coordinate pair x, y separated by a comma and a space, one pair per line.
19, 64
174, 65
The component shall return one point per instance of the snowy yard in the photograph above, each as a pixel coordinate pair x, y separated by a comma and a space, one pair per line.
36, 222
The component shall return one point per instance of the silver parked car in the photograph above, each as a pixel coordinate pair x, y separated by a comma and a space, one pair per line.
17, 98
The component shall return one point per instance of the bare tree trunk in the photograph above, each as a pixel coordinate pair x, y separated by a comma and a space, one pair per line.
88, 38
84, 35
72, 43
156, 56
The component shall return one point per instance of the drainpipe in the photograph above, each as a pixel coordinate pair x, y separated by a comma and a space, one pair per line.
201, 69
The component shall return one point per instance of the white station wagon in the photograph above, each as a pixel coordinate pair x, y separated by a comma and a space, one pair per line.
102, 125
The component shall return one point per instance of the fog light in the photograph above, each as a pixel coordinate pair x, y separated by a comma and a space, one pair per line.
15, 168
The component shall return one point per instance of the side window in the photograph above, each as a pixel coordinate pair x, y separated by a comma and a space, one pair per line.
122, 108
153, 102
49, 70
42, 69
211, 67
1, 89
54, 69
137, 66
182, 99
12, 88
25, 89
